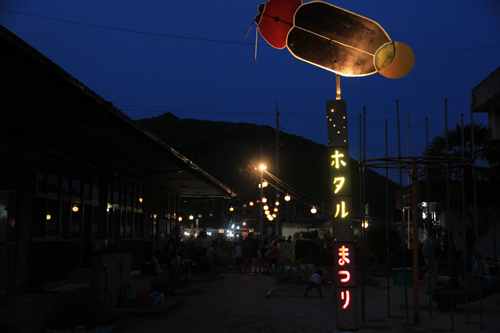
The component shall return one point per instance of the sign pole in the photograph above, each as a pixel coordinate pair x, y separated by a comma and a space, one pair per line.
346, 305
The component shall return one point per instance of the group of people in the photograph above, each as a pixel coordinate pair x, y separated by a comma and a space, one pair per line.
483, 270
248, 253
173, 260
480, 270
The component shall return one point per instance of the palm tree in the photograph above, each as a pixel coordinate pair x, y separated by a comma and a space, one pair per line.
486, 150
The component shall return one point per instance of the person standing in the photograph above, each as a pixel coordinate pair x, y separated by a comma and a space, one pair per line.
477, 269
429, 253
275, 254
265, 251
238, 257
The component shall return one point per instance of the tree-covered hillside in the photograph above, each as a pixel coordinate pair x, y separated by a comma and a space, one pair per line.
230, 151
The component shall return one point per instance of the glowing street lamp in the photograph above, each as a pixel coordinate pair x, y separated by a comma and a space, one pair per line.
262, 167
287, 199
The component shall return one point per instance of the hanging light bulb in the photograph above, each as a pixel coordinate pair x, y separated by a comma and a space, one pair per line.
266, 207
251, 203
75, 208
277, 203
264, 199
287, 197
314, 210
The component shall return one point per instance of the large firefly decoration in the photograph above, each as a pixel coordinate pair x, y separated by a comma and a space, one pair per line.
333, 38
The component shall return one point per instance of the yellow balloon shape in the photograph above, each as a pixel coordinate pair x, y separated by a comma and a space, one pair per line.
394, 60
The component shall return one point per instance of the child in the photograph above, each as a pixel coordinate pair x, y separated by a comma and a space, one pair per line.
315, 281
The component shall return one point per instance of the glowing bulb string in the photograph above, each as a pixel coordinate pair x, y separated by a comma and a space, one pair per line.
295, 197
295, 194
285, 185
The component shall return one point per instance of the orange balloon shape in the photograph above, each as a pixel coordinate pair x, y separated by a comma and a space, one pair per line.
394, 60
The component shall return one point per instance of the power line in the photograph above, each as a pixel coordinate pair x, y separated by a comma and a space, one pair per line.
211, 40
129, 30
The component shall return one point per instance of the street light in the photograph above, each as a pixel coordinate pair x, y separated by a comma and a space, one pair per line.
287, 198
262, 168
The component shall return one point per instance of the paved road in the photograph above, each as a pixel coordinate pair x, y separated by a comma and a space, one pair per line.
238, 303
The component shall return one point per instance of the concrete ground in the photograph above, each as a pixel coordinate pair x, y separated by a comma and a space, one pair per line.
250, 303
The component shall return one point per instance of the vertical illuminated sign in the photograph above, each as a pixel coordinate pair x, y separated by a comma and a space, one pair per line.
340, 186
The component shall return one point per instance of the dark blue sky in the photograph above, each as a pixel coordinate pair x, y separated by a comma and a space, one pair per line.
190, 58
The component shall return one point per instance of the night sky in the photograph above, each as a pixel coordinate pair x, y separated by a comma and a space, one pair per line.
191, 58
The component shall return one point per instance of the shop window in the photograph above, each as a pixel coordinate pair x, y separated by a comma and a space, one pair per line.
76, 218
117, 229
140, 205
53, 173
116, 191
129, 225
42, 172
87, 221
87, 183
97, 226
96, 180
130, 193
124, 192
65, 219
76, 181
140, 222
12, 216
53, 217
40, 217
109, 218
66, 176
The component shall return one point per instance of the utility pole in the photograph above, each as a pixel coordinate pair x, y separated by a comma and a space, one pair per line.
278, 231
261, 193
